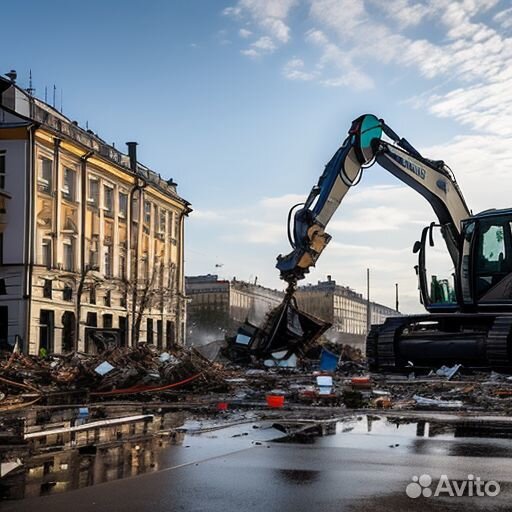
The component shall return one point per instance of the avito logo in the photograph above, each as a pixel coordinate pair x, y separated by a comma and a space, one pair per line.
473, 486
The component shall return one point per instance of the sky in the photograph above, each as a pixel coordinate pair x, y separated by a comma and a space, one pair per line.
243, 103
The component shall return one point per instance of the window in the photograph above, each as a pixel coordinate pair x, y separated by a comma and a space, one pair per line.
92, 295
107, 321
94, 192
69, 257
68, 186
2, 169
67, 293
157, 220
493, 246
150, 330
147, 212
135, 209
493, 259
107, 300
123, 205
161, 227
93, 253
47, 289
170, 225
176, 226
108, 201
3, 288
45, 175
1, 248
122, 266
47, 252
107, 260
92, 319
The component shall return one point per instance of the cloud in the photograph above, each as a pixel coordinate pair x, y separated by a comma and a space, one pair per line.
265, 44
269, 16
352, 34
281, 203
206, 215
251, 52
504, 18
294, 70
376, 218
244, 33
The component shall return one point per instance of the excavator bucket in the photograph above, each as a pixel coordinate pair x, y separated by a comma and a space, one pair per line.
287, 330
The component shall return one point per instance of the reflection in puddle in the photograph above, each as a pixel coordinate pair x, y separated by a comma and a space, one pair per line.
74, 448
468, 437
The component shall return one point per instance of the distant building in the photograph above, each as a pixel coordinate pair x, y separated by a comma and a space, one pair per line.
91, 246
344, 308
218, 306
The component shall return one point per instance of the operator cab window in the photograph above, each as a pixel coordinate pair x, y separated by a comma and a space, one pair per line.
493, 254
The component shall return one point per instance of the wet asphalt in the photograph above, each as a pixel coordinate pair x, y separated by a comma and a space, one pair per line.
249, 469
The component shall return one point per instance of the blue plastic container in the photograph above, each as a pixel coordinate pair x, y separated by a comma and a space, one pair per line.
328, 361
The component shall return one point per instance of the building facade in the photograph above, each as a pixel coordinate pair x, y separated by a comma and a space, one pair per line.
91, 248
217, 306
344, 308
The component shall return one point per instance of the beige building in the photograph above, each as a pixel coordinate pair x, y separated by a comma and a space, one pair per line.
92, 247
344, 308
218, 306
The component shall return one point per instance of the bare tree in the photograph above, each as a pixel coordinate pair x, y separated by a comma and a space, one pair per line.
150, 293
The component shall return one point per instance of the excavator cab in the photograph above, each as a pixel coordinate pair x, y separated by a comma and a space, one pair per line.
484, 275
486, 266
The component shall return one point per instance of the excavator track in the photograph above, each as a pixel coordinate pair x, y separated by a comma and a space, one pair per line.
498, 346
480, 341
381, 344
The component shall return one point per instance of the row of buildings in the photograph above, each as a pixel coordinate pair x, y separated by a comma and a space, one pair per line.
91, 241
216, 307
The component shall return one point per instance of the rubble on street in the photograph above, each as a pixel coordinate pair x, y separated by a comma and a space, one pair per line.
186, 375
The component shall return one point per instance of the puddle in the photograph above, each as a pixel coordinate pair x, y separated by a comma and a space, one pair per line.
69, 449
471, 438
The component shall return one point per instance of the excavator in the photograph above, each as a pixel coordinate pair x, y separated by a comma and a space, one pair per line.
469, 319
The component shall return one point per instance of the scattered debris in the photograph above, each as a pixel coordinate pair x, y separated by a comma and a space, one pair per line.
449, 373
431, 402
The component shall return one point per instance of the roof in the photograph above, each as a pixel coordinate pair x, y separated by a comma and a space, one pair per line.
492, 212
45, 115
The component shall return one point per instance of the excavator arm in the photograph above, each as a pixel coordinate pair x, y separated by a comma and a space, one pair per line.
362, 148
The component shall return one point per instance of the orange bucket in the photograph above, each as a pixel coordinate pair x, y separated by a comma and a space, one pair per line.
275, 401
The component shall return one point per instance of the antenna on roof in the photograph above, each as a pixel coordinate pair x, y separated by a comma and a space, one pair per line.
54, 92
86, 125
46, 94
61, 100
30, 89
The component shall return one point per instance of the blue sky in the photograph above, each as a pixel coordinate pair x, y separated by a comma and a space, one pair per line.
243, 102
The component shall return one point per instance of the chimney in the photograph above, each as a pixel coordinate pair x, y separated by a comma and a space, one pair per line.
132, 153
329, 278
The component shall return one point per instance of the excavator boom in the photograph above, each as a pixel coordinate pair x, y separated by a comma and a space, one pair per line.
363, 147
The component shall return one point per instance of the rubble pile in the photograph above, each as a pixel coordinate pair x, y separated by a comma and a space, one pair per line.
330, 375
116, 370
